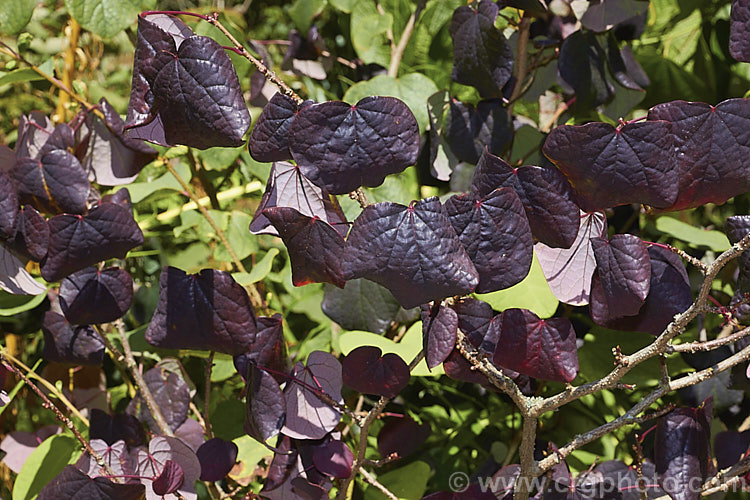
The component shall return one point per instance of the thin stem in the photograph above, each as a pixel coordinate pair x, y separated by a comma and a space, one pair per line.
520, 68
207, 397
72, 31
708, 345
397, 52
141, 383
684, 255
374, 482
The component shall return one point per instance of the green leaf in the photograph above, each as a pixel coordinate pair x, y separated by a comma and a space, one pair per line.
219, 158
407, 348
15, 15
20, 75
414, 89
259, 270
141, 190
532, 293
408, 482
242, 241
302, 13
343, 5
249, 454
368, 32
223, 367
11, 304
692, 235
44, 463
106, 18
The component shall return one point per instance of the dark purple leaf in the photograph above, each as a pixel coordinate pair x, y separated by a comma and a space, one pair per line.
121, 197
54, 183
683, 450
283, 463
625, 479
569, 270
604, 14
62, 138
545, 193
608, 166
474, 317
669, 294
8, 205
32, 234
439, 329
65, 343
402, 435
170, 480
287, 187
341, 147
367, 371
334, 459
185, 89
207, 311
482, 56
304, 490
413, 251
33, 131
111, 429
496, 235
712, 144
13, 275
361, 305
172, 396
624, 268
93, 296
582, 66
268, 349
539, 348
307, 416
730, 447
217, 457
315, 248
472, 131
72, 483
151, 463
739, 26
265, 407
269, 140
110, 158
624, 66
115, 456
108, 231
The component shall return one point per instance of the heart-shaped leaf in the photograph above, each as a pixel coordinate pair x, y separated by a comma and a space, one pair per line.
151, 463
367, 372
545, 193
170, 480
8, 205
184, 93
111, 429
172, 395
341, 147
712, 144
76, 242
13, 275
114, 455
739, 26
269, 140
496, 235
604, 15
208, 311
217, 457
361, 305
33, 131
474, 318
32, 234
333, 458
482, 56
287, 187
315, 248
307, 416
439, 329
472, 131
569, 270
72, 483
268, 349
65, 343
265, 406
413, 251
92, 296
54, 183
582, 66
401, 435
608, 166
624, 269
539, 348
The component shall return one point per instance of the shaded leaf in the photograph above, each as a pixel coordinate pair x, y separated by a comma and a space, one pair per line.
496, 235
341, 147
13, 275
315, 248
111, 429
609, 166
33, 131
471, 131
54, 183
333, 458
72, 483
582, 66
605, 14
367, 372
217, 457
568, 271
65, 343
729, 447
268, 349
624, 268
401, 435
170, 479
93, 296
413, 251
8, 205
439, 329
482, 56
171, 394
151, 463
76, 242
31, 236
265, 407
18, 445
269, 140
283, 463
361, 305
539, 348
207, 311
739, 25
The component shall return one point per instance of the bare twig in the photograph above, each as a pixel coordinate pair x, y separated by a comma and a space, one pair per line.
374, 482
727, 478
708, 345
207, 396
520, 68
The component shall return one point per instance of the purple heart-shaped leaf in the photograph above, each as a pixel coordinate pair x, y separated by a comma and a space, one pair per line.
54, 183
269, 140
111, 429
496, 235
624, 269
8, 205
413, 251
341, 147
72, 483
32, 234
170, 480
540, 348
315, 248
151, 463
401, 435
366, 371
439, 329
265, 406
268, 349
333, 458
33, 131
94, 296
472, 131
65, 343
217, 457
115, 456
171, 393
208, 311
739, 26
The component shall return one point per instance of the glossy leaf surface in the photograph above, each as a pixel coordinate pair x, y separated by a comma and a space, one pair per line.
624, 269
269, 140
31, 236
439, 329
217, 458
739, 27
54, 183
